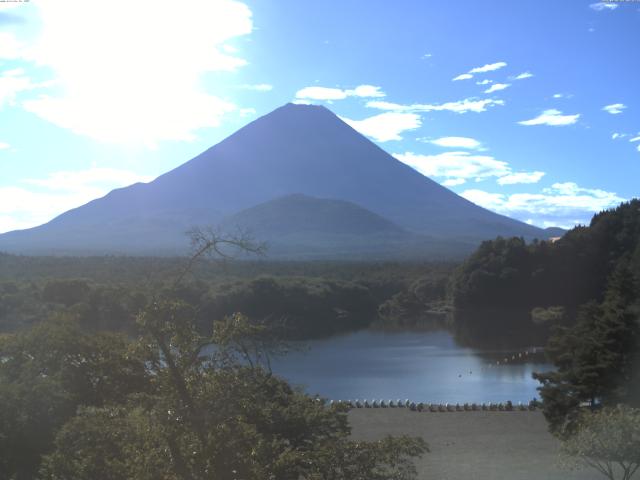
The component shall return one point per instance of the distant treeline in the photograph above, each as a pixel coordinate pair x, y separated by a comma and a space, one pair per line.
307, 299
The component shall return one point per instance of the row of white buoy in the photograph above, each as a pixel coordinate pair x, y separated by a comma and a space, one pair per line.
438, 407
508, 359
515, 356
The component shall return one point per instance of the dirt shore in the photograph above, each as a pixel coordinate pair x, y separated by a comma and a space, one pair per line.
473, 445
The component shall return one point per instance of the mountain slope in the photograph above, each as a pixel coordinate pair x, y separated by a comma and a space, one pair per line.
295, 148
554, 232
299, 226
299, 214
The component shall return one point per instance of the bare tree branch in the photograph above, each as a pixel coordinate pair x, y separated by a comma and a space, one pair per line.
212, 242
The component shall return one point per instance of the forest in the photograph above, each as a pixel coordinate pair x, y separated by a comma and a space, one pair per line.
306, 299
580, 294
110, 381
105, 354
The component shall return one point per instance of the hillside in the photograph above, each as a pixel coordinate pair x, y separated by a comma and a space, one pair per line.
508, 289
299, 214
302, 227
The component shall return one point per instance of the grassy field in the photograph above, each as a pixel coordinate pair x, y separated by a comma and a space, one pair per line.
473, 445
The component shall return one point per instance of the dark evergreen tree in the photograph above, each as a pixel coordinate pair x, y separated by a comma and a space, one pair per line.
596, 358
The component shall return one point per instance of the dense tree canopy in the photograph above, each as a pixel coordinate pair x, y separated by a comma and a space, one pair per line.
311, 299
509, 288
179, 400
597, 358
86, 406
422, 304
48, 372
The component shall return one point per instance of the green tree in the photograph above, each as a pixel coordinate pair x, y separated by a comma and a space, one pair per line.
218, 412
596, 359
46, 373
173, 404
505, 281
607, 441
66, 292
423, 303
308, 307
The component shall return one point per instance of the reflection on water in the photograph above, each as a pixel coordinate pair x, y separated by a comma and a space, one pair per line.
420, 366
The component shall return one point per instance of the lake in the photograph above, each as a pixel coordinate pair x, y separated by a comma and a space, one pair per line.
421, 366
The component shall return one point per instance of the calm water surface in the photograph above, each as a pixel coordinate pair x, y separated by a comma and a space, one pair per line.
420, 366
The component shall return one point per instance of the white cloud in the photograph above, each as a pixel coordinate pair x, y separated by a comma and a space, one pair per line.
14, 72
394, 107
247, 112
329, 93
497, 87
521, 177
322, 93
523, 75
461, 106
459, 166
492, 201
456, 142
9, 5
104, 179
4, 146
10, 47
365, 91
561, 204
467, 105
553, 118
40, 200
485, 68
229, 49
614, 108
135, 76
488, 68
386, 126
190, 112
452, 182
633, 139
599, 6
486, 81
260, 87
455, 168
558, 95
12, 83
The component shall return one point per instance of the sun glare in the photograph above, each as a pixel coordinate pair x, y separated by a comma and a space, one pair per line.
134, 74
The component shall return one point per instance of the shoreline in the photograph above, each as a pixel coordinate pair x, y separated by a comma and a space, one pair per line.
507, 406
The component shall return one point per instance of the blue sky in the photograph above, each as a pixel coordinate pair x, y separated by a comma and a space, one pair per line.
529, 108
